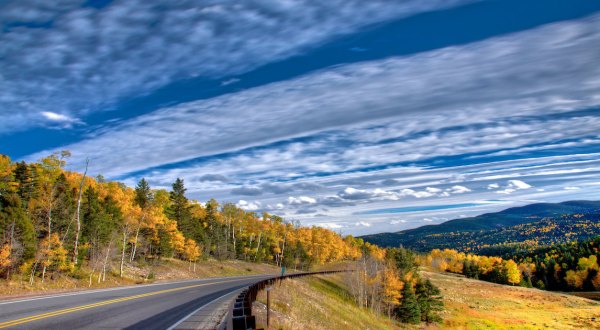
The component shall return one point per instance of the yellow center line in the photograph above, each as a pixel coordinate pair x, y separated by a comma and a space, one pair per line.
28, 319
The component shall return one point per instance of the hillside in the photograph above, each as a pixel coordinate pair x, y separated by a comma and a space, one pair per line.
319, 302
323, 303
510, 225
473, 304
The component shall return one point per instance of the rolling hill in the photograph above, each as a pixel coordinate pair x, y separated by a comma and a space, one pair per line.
514, 225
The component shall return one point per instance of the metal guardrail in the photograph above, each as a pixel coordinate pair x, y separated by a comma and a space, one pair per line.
240, 315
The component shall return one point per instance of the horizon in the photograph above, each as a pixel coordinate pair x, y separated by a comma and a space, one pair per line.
360, 118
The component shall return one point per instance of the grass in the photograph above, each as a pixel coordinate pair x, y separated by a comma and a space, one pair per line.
167, 270
473, 304
316, 302
323, 302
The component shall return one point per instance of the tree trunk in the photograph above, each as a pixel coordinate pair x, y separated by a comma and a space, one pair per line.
32, 276
105, 263
258, 246
234, 250
78, 228
137, 233
123, 251
282, 250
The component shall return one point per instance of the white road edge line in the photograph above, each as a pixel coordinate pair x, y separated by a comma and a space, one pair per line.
200, 308
124, 287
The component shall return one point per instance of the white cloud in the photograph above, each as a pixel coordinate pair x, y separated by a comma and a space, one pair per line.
248, 206
458, 190
362, 224
571, 188
512, 186
493, 186
56, 116
301, 200
518, 184
329, 225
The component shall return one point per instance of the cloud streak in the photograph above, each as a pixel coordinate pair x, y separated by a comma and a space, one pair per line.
77, 59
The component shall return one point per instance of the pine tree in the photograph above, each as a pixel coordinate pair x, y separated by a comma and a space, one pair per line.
143, 194
429, 300
409, 311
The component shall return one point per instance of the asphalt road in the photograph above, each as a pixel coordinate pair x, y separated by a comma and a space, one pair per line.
154, 306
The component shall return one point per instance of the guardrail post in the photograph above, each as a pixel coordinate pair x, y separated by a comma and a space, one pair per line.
268, 306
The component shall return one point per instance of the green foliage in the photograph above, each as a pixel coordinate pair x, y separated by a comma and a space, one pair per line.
404, 259
429, 300
409, 310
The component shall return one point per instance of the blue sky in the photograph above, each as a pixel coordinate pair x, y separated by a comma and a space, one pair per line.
360, 116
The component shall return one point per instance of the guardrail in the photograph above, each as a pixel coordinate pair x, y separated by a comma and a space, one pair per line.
240, 315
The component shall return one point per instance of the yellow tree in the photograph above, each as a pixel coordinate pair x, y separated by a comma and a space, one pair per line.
191, 252
53, 256
124, 197
5, 254
513, 274
392, 289
574, 279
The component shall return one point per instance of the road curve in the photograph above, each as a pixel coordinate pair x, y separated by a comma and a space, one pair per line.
154, 306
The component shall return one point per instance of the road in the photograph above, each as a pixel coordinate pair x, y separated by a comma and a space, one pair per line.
154, 306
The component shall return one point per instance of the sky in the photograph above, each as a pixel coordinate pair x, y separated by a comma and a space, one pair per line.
358, 116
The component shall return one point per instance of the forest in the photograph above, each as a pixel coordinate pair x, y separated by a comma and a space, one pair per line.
564, 267
54, 221
549, 231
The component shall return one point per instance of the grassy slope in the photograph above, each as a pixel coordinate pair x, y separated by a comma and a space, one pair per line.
323, 303
319, 302
472, 304
168, 270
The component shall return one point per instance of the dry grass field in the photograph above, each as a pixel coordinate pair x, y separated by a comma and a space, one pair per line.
473, 304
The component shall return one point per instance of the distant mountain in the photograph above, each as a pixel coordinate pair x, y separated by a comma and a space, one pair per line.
471, 234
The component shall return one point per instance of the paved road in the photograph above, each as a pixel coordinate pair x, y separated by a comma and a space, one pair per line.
154, 306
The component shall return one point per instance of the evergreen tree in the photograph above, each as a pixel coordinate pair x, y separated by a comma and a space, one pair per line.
16, 228
143, 194
409, 310
429, 300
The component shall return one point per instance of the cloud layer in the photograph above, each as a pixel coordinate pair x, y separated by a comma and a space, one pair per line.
365, 147
72, 59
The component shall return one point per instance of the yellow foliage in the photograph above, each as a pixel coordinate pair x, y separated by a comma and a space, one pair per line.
5, 253
392, 287
513, 274
53, 254
575, 278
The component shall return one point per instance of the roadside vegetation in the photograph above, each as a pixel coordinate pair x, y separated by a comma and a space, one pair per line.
319, 302
58, 224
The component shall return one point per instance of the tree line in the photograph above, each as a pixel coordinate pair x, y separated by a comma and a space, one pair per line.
54, 221
565, 267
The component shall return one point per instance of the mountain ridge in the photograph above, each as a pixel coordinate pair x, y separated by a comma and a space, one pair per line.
488, 221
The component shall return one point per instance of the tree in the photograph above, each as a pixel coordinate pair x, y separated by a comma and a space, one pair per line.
78, 222
429, 300
143, 198
409, 311
392, 289
513, 274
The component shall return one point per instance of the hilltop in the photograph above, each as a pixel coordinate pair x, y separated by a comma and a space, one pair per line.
539, 224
